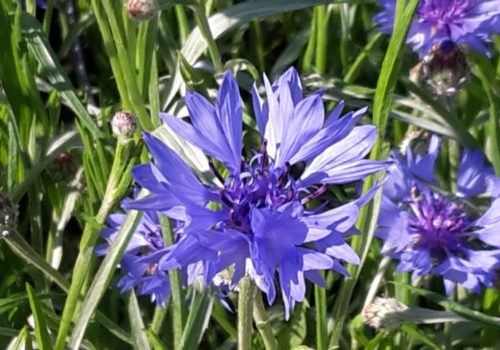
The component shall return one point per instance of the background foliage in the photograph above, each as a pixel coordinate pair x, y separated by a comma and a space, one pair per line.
64, 71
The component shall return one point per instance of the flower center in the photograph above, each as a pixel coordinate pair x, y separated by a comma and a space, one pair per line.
437, 221
260, 185
442, 13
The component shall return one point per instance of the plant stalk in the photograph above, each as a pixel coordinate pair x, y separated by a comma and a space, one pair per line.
261, 319
245, 309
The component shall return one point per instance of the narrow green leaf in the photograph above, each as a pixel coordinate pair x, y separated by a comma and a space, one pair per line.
103, 277
20, 247
417, 333
450, 305
37, 40
136, 323
41, 332
155, 340
197, 321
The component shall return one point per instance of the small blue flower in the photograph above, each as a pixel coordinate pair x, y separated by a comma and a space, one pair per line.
258, 222
433, 234
145, 242
469, 23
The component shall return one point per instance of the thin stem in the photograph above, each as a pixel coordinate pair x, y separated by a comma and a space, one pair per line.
245, 306
182, 23
309, 53
177, 295
202, 21
261, 319
321, 318
158, 318
128, 70
89, 238
322, 38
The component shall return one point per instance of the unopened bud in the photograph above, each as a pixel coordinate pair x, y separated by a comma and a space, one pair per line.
123, 124
444, 69
142, 10
8, 215
383, 313
389, 313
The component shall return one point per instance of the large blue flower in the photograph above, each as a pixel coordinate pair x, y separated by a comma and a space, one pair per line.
145, 242
258, 222
434, 234
469, 23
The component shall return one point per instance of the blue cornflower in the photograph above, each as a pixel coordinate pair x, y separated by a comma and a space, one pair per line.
469, 23
257, 221
145, 242
433, 234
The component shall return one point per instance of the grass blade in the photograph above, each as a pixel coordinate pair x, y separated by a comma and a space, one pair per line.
37, 40
136, 323
41, 332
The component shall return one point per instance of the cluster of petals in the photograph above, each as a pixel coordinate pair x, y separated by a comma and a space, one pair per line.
466, 23
259, 219
146, 240
434, 233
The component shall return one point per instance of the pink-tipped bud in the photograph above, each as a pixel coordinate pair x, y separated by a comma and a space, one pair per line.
142, 10
123, 124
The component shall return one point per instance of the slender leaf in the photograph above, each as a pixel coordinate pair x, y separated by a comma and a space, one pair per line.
41, 332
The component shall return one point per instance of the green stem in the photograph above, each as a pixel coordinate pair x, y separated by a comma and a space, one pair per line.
127, 69
202, 21
182, 23
245, 306
322, 38
309, 53
158, 318
355, 68
261, 319
112, 53
321, 318
177, 295
89, 238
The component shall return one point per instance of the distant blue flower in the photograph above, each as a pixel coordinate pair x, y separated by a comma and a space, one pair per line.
145, 242
433, 234
39, 3
257, 222
469, 23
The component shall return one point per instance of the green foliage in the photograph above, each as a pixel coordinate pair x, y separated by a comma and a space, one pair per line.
64, 74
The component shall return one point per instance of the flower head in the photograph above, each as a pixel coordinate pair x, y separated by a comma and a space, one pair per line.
469, 23
431, 233
145, 242
260, 220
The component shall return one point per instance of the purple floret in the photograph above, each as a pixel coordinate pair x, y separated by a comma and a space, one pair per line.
145, 242
433, 234
468, 23
257, 222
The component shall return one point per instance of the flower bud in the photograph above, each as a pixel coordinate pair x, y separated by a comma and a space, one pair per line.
123, 124
383, 313
142, 10
389, 313
8, 215
444, 69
